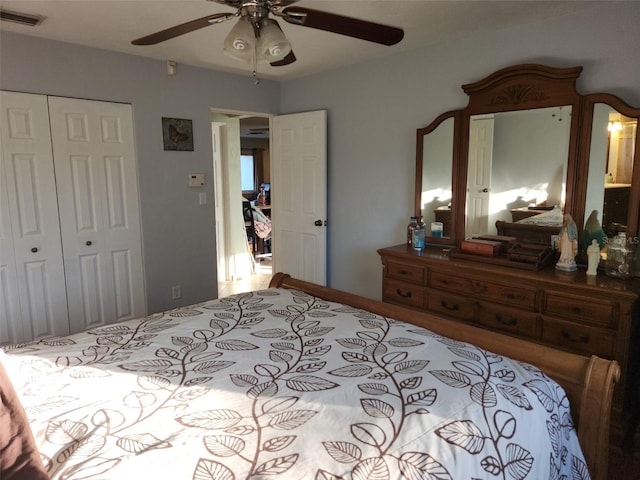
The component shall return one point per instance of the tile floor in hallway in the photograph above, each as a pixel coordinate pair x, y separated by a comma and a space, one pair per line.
257, 281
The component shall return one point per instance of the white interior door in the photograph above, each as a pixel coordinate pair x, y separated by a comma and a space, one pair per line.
299, 194
33, 302
96, 173
479, 175
220, 179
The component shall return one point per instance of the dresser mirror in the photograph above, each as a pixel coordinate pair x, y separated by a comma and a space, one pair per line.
436, 149
613, 143
528, 142
517, 165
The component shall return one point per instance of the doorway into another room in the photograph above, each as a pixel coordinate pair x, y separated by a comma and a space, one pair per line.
243, 208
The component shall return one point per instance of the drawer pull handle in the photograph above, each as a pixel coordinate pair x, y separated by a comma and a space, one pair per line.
513, 296
404, 295
454, 307
578, 339
403, 272
478, 287
510, 323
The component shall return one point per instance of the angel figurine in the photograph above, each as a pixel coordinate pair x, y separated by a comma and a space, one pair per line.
568, 245
593, 256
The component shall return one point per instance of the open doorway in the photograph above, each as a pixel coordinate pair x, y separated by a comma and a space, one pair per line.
242, 171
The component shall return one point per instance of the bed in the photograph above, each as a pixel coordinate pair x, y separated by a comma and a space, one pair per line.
536, 229
303, 381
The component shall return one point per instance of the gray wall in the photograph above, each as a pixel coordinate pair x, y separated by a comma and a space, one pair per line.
374, 109
530, 151
178, 233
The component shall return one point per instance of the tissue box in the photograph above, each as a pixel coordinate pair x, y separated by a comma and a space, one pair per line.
486, 248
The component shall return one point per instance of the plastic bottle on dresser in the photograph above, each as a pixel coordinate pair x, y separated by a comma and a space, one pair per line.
418, 235
412, 226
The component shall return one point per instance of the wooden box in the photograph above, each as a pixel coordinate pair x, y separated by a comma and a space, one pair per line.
486, 248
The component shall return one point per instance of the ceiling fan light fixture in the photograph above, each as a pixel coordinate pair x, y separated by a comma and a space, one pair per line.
272, 45
241, 41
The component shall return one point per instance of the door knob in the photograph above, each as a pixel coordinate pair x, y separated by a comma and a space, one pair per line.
318, 223
485, 190
89, 243
34, 250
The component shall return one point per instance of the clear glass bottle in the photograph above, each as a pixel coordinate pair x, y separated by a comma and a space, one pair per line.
417, 240
412, 226
619, 257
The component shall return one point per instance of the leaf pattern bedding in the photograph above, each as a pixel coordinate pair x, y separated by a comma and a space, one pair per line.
280, 384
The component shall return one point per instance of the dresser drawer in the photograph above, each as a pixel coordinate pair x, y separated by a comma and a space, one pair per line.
507, 320
404, 293
579, 338
508, 294
407, 273
451, 305
596, 313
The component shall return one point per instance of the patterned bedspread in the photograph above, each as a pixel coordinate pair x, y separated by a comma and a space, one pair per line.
279, 384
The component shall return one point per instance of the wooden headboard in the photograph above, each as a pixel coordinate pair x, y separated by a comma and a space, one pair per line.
588, 382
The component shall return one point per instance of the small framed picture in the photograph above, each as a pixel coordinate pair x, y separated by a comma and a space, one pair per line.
177, 134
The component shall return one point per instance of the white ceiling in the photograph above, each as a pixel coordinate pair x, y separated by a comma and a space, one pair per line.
112, 24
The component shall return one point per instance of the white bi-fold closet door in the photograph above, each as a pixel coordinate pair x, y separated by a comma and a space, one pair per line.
71, 248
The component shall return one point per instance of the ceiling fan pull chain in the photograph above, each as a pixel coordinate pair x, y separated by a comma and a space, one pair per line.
256, 80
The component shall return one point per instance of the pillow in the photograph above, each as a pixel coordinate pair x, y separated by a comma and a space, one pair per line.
551, 218
19, 457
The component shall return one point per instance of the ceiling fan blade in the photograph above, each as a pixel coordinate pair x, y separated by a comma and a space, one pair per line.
352, 27
289, 59
183, 28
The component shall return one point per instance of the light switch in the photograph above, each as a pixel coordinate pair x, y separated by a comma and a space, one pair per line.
203, 198
196, 180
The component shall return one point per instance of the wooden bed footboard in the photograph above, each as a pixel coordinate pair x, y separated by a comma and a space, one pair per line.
588, 382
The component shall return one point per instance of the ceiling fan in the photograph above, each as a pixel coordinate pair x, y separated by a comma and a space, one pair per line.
257, 38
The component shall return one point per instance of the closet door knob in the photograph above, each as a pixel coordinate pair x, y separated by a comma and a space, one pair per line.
34, 250
89, 243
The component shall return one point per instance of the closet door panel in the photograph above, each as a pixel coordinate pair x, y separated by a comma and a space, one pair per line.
93, 293
98, 194
10, 316
82, 193
32, 283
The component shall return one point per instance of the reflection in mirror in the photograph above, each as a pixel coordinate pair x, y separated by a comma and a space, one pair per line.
517, 167
611, 156
437, 164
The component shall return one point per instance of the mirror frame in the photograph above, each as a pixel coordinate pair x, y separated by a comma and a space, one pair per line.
421, 132
524, 87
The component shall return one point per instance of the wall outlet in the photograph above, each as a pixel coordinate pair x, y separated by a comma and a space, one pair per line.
176, 292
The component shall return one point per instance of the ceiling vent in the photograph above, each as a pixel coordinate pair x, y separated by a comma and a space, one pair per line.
21, 18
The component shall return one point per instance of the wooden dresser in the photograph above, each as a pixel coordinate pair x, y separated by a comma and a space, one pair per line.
570, 311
